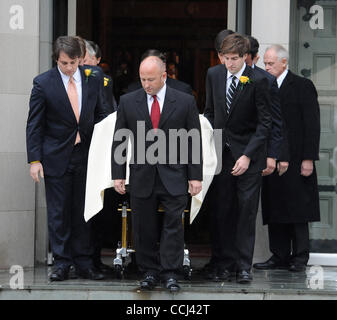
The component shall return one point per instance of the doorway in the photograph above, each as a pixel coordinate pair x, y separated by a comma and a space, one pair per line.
315, 58
183, 29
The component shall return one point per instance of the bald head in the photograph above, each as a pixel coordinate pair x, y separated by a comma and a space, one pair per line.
153, 62
152, 73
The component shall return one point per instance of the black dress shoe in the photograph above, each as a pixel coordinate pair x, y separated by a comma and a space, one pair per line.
244, 276
59, 274
91, 273
210, 272
270, 265
148, 283
297, 267
172, 285
103, 268
224, 275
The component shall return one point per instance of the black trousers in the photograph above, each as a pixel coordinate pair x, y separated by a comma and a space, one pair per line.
289, 243
159, 241
234, 208
106, 224
69, 234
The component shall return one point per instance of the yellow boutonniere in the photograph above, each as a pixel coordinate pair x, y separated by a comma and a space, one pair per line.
88, 73
106, 81
244, 80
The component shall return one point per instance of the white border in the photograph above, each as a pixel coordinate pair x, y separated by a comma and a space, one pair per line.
323, 259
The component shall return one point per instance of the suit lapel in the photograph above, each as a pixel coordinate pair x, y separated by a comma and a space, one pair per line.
85, 89
286, 83
222, 78
239, 91
143, 109
62, 93
168, 107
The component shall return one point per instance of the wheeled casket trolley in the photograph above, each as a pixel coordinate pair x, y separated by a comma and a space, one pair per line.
125, 254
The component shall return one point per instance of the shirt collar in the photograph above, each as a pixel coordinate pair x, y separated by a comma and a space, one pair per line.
76, 76
238, 74
282, 77
160, 94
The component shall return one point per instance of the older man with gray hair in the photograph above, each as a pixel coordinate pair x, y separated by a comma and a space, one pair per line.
290, 201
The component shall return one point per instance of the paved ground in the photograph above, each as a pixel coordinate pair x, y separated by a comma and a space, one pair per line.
315, 283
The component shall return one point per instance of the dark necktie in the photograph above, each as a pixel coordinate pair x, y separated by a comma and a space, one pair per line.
155, 112
230, 94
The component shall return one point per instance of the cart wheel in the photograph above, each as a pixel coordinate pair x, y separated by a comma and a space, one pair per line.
119, 271
187, 273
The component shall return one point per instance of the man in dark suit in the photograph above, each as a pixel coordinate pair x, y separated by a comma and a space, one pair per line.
219, 38
158, 110
102, 222
277, 143
93, 58
237, 102
65, 103
290, 201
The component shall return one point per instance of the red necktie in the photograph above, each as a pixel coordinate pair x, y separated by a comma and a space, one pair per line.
155, 113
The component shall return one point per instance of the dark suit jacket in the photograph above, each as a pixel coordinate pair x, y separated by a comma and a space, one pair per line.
179, 112
246, 128
52, 126
278, 140
108, 93
293, 198
173, 83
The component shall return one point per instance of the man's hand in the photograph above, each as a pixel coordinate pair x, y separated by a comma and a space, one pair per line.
282, 167
120, 186
36, 170
241, 166
271, 165
194, 187
307, 168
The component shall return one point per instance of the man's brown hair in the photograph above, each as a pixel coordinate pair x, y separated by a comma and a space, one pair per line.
69, 45
235, 43
82, 45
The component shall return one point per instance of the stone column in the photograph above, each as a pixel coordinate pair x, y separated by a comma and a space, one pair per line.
270, 24
19, 63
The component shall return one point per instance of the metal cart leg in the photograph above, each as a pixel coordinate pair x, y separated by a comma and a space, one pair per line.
187, 270
122, 252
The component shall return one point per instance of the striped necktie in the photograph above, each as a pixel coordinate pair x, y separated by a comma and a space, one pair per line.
230, 93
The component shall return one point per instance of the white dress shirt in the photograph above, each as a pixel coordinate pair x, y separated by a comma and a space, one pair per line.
237, 75
282, 77
78, 82
160, 97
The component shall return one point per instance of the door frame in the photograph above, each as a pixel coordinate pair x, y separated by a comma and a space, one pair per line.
324, 259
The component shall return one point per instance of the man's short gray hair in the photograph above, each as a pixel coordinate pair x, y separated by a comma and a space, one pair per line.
281, 52
91, 51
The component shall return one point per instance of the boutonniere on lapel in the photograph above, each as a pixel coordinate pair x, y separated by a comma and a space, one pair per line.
106, 81
243, 81
89, 73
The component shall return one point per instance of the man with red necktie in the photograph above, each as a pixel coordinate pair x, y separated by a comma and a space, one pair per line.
158, 110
